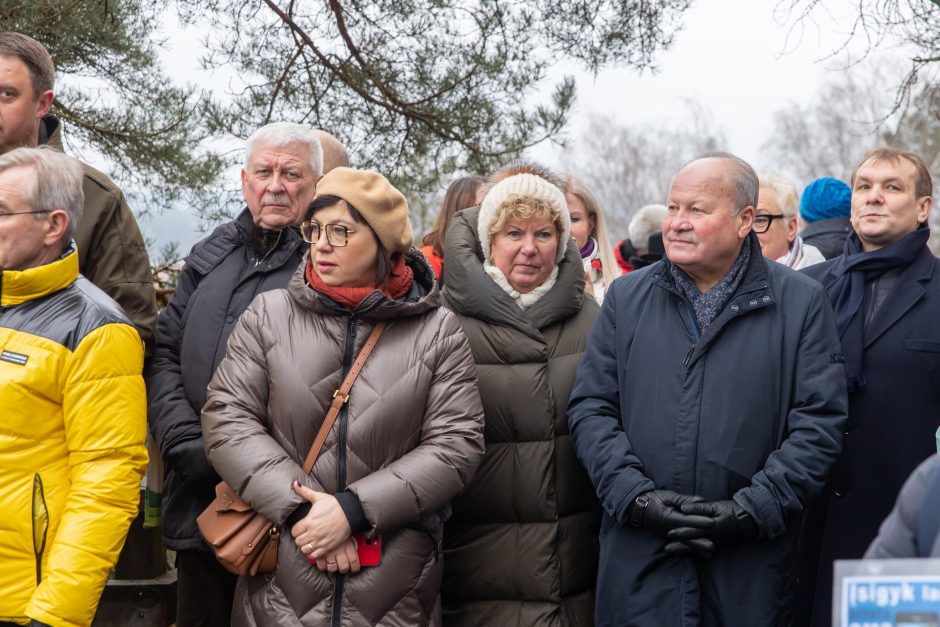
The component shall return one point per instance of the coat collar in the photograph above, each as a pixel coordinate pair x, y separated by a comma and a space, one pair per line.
908, 290
423, 296
20, 286
753, 293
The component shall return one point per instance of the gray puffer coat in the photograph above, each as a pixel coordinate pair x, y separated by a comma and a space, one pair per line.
405, 444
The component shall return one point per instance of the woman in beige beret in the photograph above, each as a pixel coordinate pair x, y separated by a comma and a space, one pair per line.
408, 439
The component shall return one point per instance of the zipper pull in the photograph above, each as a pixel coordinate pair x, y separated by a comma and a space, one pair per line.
688, 356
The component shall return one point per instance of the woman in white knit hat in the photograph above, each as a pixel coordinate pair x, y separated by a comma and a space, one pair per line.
521, 546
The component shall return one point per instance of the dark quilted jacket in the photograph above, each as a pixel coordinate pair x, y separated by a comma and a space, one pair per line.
521, 547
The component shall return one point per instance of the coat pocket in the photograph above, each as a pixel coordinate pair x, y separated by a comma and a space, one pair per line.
40, 517
928, 346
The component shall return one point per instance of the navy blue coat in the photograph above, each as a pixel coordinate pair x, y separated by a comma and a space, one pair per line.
753, 409
891, 426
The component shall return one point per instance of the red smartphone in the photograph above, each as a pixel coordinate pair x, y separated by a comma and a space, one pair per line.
369, 549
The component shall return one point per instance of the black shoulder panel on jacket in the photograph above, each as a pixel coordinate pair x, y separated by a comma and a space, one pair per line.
206, 254
67, 316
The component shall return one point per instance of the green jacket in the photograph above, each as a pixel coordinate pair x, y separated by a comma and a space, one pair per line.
111, 250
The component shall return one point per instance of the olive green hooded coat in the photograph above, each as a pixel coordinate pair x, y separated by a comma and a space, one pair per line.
521, 546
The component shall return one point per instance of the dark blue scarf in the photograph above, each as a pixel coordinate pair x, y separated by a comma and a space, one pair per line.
853, 270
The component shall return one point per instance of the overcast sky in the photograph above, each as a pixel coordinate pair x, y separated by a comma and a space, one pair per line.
732, 57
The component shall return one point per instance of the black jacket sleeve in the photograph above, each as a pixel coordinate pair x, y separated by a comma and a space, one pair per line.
170, 416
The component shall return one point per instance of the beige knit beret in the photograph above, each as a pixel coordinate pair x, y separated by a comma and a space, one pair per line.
384, 207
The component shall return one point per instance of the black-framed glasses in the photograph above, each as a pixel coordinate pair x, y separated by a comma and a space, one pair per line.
23, 213
337, 235
763, 221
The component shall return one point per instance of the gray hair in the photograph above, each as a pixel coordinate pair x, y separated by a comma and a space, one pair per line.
743, 177
646, 222
787, 196
56, 183
278, 134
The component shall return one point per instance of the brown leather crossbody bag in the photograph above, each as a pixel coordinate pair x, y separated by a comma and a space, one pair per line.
244, 541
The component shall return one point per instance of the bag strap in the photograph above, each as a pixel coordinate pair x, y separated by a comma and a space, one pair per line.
341, 396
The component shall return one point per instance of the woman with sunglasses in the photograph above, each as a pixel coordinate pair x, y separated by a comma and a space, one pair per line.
407, 440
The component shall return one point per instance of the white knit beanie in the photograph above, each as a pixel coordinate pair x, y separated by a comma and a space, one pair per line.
523, 185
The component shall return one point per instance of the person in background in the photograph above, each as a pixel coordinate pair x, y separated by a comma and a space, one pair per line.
646, 232
461, 193
521, 547
111, 250
885, 289
257, 251
72, 403
408, 438
825, 206
623, 253
334, 152
912, 529
775, 224
589, 230
708, 409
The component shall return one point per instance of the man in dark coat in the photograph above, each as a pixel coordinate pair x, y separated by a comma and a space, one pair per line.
256, 252
885, 290
708, 409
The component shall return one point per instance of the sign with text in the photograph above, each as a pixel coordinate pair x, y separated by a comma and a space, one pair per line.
887, 593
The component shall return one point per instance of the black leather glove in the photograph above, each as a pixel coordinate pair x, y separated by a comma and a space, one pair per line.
660, 511
733, 525
188, 459
697, 547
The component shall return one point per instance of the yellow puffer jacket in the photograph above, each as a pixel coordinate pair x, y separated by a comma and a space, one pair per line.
72, 430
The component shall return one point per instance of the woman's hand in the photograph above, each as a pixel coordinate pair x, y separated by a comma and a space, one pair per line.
341, 560
324, 528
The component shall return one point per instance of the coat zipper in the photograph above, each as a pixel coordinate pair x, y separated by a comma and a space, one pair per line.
40, 516
339, 580
695, 334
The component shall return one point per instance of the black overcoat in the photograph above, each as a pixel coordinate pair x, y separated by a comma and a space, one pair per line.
891, 425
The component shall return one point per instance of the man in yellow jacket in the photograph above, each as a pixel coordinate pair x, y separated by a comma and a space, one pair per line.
72, 404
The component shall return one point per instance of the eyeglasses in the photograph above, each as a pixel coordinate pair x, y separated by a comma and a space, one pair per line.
23, 213
763, 221
337, 235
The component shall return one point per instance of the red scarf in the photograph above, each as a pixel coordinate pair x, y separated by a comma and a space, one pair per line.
396, 286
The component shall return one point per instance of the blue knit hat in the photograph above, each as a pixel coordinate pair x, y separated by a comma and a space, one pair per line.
825, 198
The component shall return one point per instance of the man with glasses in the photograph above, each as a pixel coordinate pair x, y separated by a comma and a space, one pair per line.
708, 409
258, 251
72, 403
885, 289
775, 223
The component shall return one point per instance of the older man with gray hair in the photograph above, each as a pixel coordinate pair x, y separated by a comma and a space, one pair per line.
708, 409
776, 224
256, 252
72, 402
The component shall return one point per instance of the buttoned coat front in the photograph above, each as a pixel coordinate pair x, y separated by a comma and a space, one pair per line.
890, 430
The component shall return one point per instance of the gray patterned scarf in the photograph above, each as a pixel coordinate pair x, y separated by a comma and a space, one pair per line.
707, 306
